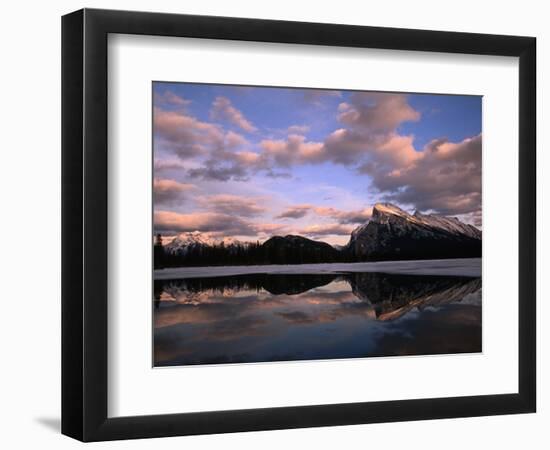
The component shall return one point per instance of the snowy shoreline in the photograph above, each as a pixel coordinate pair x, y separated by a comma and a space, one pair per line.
468, 267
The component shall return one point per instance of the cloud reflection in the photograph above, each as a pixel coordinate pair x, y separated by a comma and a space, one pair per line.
262, 317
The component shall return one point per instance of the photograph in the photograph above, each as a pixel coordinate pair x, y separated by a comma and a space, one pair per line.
267, 225
314, 224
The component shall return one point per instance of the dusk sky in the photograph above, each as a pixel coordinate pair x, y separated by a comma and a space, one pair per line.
253, 162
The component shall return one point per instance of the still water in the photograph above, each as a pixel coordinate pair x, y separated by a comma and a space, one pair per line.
276, 317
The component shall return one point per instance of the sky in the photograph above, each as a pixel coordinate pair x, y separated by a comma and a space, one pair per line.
251, 162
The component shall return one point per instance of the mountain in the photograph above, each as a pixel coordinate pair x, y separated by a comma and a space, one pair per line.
198, 249
192, 241
449, 224
394, 234
382, 296
393, 295
293, 249
390, 234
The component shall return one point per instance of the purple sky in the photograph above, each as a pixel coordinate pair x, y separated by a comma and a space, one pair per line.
252, 162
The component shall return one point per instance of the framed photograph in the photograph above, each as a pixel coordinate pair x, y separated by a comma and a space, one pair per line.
273, 224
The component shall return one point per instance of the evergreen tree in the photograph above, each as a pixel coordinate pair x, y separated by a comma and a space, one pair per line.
158, 253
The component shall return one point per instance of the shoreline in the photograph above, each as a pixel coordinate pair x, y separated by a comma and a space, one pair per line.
469, 267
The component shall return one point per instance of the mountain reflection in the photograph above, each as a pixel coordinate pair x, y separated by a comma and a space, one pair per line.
274, 317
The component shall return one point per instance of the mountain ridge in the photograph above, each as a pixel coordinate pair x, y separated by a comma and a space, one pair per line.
390, 234
393, 233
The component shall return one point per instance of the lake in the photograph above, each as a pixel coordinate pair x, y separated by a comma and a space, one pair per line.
263, 317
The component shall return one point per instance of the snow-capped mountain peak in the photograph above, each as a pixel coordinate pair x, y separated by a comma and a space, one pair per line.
450, 224
184, 241
384, 212
394, 233
193, 237
380, 209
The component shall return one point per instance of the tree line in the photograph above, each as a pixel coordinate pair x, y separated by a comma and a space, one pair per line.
250, 254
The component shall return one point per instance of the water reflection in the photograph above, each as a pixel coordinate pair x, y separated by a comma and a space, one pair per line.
266, 317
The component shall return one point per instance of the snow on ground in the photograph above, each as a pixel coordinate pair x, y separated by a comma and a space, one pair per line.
469, 267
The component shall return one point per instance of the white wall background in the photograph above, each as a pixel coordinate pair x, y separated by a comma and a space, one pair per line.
30, 190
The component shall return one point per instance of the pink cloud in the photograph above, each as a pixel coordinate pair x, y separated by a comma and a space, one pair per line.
169, 191
365, 137
271, 229
295, 212
320, 230
216, 224
233, 139
224, 165
347, 147
233, 204
168, 98
249, 159
185, 135
173, 222
168, 164
222, 109
397, 150
377, 111
293, 150
445, 177
342, 146
343, 217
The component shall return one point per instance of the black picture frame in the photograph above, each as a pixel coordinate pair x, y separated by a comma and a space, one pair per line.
84, 224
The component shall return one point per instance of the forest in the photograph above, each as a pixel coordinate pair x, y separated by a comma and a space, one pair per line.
277, 250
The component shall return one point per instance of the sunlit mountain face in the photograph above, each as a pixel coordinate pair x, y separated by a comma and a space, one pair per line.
267, 317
